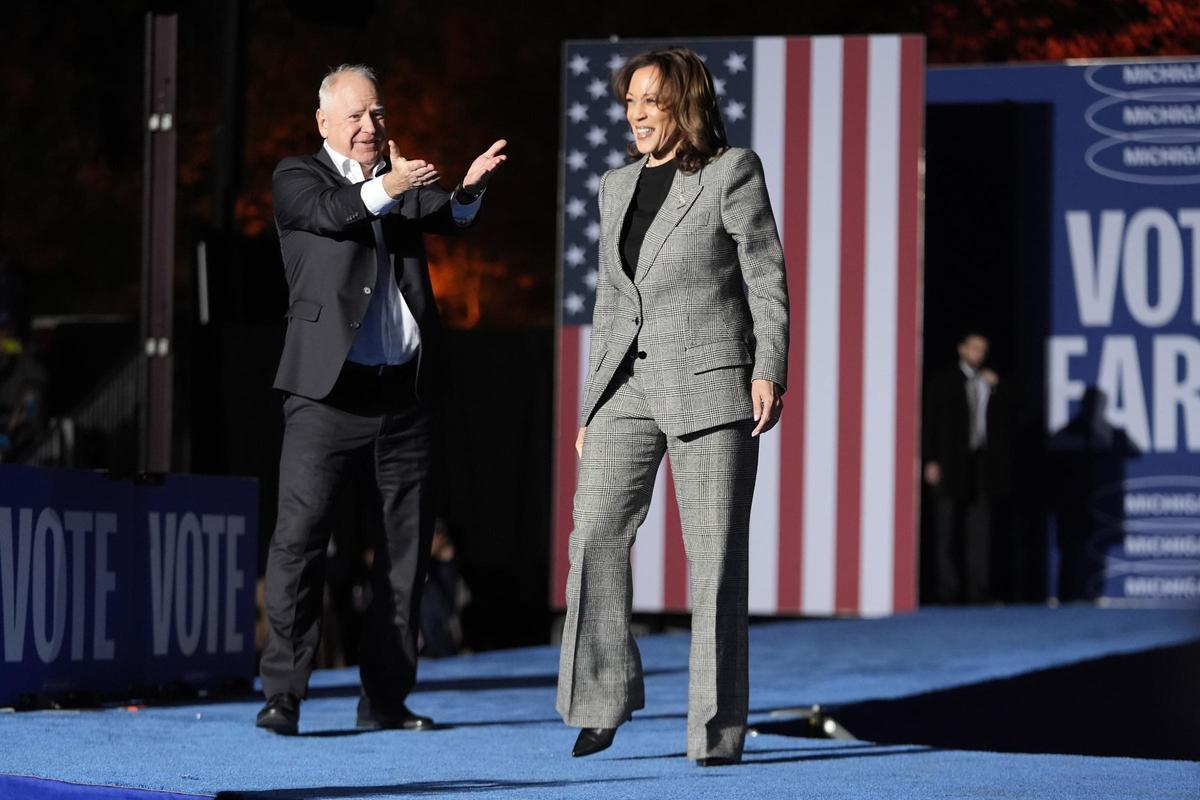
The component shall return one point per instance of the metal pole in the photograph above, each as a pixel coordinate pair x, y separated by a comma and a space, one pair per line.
158, 244
228, 152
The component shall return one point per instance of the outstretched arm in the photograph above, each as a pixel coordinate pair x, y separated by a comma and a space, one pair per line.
450, 212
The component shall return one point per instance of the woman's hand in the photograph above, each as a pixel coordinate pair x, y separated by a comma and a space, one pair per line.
768, 405
579, 441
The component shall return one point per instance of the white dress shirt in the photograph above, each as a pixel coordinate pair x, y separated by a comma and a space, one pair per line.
978, 393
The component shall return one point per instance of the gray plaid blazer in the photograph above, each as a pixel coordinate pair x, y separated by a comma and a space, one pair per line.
708, 302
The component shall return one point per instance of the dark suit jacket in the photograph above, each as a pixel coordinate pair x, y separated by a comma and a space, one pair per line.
328, 248
946, 432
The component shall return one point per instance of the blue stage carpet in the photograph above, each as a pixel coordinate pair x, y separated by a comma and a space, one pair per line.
502, 738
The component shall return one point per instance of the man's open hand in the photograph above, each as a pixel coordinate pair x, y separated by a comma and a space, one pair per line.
482, 168
406, 174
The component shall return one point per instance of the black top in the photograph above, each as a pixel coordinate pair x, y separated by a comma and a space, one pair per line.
652, 187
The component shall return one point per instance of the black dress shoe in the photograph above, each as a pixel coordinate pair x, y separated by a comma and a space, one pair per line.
372, 717
280, 715
715, 761
593, 740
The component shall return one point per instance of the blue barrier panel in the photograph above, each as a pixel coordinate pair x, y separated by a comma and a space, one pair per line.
107, 585
1122, 351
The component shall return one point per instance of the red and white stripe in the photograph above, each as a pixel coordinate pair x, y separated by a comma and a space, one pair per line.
837, 123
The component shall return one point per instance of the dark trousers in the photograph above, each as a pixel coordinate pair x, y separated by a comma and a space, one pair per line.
962, 531
367, 416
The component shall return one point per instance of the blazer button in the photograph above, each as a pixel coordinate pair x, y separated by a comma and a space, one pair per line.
355, 325
636, 320
366, 290
641, 353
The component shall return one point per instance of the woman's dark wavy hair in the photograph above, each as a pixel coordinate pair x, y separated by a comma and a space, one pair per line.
686, 92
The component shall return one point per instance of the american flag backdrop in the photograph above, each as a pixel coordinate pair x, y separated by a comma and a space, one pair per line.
838, 125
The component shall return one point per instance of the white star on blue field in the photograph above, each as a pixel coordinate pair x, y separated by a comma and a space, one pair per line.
596, 134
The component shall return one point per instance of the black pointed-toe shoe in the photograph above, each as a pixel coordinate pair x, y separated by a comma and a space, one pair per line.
593, 740
373, 717
280, 715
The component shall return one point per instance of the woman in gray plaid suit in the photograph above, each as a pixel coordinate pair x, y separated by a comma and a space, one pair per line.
688, 357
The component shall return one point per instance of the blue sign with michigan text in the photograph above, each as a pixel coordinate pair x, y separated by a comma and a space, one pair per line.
1122, 353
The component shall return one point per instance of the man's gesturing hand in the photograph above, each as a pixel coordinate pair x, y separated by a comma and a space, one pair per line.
767, 401
405, 174
482, 168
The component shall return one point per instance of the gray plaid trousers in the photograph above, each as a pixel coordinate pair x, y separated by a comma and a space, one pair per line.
600, 671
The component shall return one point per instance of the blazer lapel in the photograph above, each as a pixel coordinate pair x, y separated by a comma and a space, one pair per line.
621, 185
684, 191
327, 162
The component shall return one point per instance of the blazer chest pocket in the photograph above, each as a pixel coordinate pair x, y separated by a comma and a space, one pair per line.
695, 221
716, 355
305, 309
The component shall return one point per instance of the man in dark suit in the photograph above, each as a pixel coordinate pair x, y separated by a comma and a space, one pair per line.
361, 341
965, 446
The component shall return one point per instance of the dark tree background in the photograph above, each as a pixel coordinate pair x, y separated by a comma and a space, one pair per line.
455, 76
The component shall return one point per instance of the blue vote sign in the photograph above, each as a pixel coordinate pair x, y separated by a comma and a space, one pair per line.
107, 586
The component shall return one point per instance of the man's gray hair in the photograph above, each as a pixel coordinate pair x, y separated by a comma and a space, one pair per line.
325, 93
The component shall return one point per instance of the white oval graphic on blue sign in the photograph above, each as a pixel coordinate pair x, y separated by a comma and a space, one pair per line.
1167, 503
1153, 162
1147, 80
1174, 120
